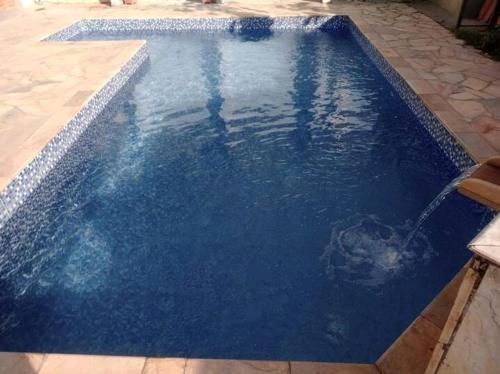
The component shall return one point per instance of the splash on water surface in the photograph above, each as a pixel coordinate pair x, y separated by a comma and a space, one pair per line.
366, 251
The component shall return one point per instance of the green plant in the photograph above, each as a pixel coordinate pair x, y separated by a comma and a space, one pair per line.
486, 40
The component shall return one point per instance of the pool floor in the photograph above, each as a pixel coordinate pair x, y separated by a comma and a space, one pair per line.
248, 198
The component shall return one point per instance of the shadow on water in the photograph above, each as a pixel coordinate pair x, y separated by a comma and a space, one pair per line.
245, 29
211, 67
305, 82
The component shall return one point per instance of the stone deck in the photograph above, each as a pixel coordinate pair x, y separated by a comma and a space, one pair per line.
42, 85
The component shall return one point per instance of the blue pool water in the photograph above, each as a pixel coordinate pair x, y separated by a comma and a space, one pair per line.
249, 198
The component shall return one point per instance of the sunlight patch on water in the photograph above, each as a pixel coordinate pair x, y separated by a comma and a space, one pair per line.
89, 262
337, 329
121, 118
132, 170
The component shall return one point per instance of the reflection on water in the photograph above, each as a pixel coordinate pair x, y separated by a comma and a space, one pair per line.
337, 329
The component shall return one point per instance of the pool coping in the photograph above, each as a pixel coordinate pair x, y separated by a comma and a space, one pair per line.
487, 243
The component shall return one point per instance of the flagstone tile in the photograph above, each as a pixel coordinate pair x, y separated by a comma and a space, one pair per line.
464, 96
454, 121
447, 69
198, 366
411, 352
474, 83
493, 137
493, 90
468, 108
450, 77
477, 145
327, 368
420, 86
480, 94
20, 363
79, 98
483, 124
165, 366
86, 364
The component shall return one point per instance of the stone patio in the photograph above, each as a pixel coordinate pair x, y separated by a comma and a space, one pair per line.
42, 85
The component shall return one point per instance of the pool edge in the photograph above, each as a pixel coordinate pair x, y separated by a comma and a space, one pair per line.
33, 173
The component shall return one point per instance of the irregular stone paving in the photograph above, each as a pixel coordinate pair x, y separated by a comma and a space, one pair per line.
456, 81
42, 85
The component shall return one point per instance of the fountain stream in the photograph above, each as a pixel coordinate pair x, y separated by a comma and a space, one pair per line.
434, 204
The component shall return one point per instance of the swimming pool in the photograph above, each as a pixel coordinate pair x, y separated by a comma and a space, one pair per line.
247, 197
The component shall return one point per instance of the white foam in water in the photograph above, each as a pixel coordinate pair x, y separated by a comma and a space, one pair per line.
123, 171
337, 329
371, 252
29, 263
89, 262
120, 118
85, 270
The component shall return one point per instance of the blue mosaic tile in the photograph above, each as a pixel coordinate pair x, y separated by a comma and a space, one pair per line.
448, 144
202, 24
68, 33
32, 175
